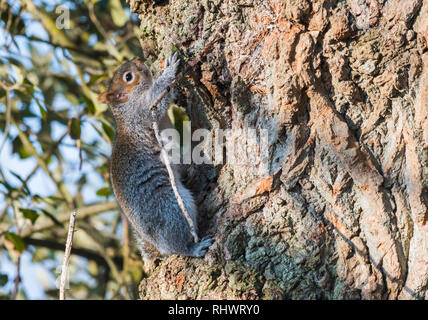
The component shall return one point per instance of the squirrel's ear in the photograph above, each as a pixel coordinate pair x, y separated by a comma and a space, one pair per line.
139, 63
105, 97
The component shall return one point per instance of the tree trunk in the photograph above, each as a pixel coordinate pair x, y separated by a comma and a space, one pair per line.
341, 210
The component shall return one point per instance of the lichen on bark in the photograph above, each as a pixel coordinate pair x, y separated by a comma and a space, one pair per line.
341, 86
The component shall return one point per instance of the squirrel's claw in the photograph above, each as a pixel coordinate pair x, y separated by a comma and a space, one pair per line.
172, 62
201, 247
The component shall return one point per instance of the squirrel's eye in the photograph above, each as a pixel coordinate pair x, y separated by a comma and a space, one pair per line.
128, 77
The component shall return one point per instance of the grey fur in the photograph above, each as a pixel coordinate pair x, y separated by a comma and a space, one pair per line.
139, 177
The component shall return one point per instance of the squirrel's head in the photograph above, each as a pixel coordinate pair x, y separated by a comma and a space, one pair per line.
131, 77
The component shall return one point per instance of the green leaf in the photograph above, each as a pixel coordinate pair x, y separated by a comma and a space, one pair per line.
91, 100
3, 279
30, 214
40, 254
108, 129
29, 87
117, 13
72, 98
21, 148
89, 105
24, 152
18, 243
177, 115
104, 192
179, 119
52, 217
74, 128
55, 199
103, 169
18, 147
96, 77
42, 110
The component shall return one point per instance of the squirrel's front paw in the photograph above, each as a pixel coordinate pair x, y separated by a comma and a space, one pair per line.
172, 62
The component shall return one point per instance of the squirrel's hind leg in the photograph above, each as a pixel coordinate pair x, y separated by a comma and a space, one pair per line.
148, 252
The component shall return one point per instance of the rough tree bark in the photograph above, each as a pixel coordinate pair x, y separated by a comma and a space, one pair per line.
342, 87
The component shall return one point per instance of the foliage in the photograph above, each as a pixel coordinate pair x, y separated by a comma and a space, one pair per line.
56, 140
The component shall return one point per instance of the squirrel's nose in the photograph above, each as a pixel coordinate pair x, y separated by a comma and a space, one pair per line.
118, 96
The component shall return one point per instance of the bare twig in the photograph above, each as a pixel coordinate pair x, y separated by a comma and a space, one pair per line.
95, 21
18, 263
68, 245
112, 47
216, 37
8, 110
174, 183
17, 279
5, 208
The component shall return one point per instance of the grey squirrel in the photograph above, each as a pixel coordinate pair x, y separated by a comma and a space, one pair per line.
139, 177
